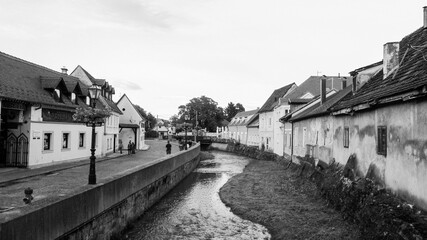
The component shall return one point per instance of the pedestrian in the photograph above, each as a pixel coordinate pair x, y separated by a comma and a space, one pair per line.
180, 145
133, 147
129, 147
168, 148
120, 146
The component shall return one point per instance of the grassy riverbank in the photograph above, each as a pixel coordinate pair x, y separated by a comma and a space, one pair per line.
288, 206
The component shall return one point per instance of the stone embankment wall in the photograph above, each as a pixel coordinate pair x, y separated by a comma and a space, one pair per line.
101, 211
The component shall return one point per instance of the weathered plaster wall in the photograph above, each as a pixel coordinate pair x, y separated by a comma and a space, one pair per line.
95, 212
404, 169
314, 137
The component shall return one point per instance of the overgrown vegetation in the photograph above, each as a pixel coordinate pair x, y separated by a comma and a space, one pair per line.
379, 213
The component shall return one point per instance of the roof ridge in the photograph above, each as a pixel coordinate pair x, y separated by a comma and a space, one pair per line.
32, 64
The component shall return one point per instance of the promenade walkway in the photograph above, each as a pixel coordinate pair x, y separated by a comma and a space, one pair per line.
54, 182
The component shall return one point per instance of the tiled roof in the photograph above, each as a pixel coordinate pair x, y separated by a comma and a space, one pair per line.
410, 75
242, 118
322, 109
99, 82
274, 98
312, 86
254, 121
110, 104
299, 100
26, 81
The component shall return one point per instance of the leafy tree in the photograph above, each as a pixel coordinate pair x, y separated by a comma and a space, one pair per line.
205, 109
150, 120
231, 110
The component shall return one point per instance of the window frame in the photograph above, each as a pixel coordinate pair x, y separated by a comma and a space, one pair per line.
346, 137
68, 142
382, 140
50, 149
82, 141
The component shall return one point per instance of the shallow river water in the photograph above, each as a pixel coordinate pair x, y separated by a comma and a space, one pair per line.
193, 209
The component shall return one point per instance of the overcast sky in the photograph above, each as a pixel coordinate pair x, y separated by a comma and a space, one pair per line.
162, 53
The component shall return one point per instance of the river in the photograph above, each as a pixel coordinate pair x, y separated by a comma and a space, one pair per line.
194, 210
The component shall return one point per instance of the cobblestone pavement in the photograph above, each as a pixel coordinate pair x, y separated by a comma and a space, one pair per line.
56, 183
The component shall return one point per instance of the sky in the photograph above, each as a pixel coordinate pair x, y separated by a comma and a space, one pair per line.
162, 53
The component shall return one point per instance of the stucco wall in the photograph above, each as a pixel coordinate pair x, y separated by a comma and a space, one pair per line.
38, 156
403, 169
95, 212
266, 129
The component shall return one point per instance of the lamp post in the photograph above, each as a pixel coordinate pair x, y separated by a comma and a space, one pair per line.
94, 92
186, 118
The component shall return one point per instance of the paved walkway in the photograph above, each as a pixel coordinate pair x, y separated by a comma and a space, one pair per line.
54, 182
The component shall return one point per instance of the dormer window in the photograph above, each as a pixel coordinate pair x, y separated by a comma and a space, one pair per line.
57, 95
73, 98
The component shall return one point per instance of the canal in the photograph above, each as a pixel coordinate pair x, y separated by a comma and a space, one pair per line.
193, 209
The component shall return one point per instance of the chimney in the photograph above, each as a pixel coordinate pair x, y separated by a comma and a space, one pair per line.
425, 17
322, 90
64, 70
391, 57
343, 84
353, 75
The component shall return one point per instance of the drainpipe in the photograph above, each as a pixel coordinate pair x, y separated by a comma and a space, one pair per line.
292, 140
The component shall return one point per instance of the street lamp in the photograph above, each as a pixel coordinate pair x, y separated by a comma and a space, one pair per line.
94, 92
186, 118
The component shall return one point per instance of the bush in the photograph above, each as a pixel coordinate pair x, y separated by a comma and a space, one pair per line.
151, 134
379, 213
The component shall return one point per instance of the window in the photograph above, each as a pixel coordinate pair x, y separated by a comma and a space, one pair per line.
304, 136
286, 111
47, 139
87, 100
65, 140
346, 137
382, 140
73, 98
57, 95
269, 121
81, 140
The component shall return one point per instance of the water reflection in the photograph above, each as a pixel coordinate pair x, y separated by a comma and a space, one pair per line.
193, 209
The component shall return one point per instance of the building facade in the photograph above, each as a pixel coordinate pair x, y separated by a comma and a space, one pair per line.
132, 124
37, 107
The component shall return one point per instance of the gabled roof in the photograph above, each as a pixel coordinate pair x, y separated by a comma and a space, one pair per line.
242, 118
409, 76
110, 104
322, 109
122, 97
253, 122
312, 86
274, 98
25, 81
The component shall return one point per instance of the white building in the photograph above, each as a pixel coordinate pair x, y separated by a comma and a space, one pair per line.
111, 127
36, 107
131, 124
267, 119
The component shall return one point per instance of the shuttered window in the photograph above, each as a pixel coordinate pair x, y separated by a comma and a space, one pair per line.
346, 137
382, 140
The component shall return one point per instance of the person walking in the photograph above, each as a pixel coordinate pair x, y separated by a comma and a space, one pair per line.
120, 146
168, 148
129, 147
133, 147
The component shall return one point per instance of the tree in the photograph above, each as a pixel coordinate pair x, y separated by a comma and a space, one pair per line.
150, 120
205, 109
231, 110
